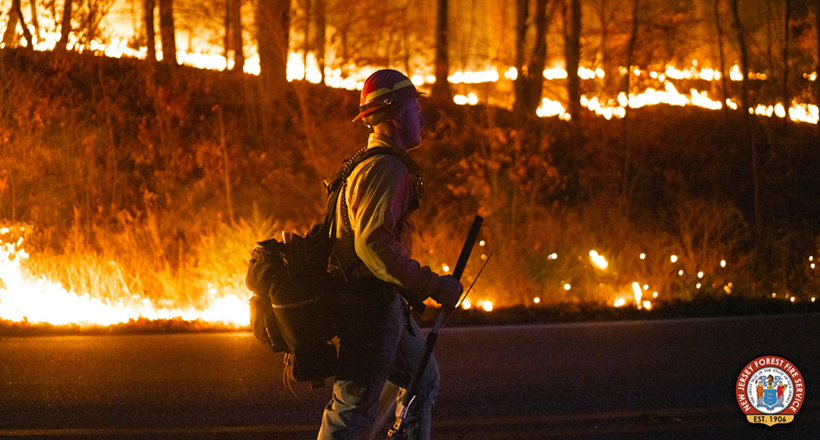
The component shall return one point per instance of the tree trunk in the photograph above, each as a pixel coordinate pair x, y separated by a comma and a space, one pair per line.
626, 186
273, 22
233, 35
817, 66
747, 119
65, 27
319, 44
602, 17
150, 33
535, 68
306, 46
522, 14
34, 20
787, 36
10, 35
227, 23
441, 89
167, 32
26, 33
572, 45
630, 48
723, 79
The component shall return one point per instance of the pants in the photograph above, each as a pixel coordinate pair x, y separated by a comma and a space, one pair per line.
376, 345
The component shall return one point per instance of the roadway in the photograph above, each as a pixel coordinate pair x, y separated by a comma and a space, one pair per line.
620, 380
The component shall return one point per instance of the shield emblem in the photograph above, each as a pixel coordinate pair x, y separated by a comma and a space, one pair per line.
769, 399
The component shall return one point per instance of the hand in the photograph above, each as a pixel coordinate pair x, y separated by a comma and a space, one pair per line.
449, 292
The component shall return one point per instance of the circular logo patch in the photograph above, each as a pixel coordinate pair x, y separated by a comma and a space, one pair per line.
770, 390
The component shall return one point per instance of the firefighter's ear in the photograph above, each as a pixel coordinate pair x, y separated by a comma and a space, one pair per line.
398, 120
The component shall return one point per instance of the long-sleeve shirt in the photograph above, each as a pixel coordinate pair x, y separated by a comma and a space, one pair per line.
378, 196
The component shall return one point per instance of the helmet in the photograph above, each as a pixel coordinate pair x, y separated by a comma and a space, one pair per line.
382, 91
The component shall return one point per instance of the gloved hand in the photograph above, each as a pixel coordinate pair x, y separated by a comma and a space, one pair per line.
449, 292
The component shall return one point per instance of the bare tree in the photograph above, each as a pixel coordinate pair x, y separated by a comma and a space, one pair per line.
626, 188
65, 27
572, 54
26, 33
308, 5
522, 13
167, 32
10, 35
530, 80
722, 56
319, 44
786, 38
747, 119
34, 20
817, 65
606, 16
15, 17
233, 34
273, 23
441, 89
148, 7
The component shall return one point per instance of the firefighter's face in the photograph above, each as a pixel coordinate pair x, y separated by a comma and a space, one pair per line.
411, 123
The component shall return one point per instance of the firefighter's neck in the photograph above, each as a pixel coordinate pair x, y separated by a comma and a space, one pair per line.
389, 129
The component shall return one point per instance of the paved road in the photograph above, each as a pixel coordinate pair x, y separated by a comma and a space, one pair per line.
660, 379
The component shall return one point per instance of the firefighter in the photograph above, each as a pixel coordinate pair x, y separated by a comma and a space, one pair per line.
378, 338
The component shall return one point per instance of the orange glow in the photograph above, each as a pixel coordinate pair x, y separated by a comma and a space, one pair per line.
36, 299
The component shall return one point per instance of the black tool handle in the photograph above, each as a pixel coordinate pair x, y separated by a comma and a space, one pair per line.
472, 236
398, 431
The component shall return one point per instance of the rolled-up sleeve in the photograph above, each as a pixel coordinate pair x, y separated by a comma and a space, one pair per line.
378, 197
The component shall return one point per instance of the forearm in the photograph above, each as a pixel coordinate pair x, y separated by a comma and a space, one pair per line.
389, 261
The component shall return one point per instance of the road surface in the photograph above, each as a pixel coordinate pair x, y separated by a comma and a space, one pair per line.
621, 380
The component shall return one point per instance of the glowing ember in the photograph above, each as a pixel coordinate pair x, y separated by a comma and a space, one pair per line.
28, 298
471, 99
599, 260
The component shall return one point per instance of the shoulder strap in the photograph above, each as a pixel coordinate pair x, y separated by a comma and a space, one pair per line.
338, 183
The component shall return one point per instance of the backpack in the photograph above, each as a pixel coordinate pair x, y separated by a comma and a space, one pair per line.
291, 310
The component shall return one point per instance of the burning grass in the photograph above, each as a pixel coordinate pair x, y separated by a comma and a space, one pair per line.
123, 281
138, 196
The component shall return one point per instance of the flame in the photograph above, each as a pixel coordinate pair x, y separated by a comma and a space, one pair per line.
599, 260
35, 299
474, 77
636, 289
486, 305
